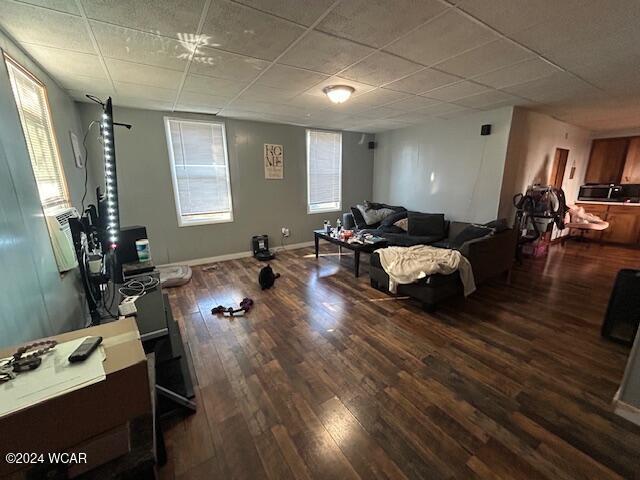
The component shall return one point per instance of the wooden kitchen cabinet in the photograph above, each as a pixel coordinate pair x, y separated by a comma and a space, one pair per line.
607, 160
624, 225
631, 172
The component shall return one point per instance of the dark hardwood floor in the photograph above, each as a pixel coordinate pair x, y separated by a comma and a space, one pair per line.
327, 378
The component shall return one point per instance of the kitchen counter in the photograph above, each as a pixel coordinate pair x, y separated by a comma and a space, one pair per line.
623, 204
623, 219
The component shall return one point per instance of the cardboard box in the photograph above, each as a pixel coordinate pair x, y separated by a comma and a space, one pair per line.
67, 422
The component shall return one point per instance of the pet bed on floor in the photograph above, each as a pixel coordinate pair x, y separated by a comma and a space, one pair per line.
174, 275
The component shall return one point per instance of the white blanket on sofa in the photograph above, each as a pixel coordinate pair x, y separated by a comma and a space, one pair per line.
408, 264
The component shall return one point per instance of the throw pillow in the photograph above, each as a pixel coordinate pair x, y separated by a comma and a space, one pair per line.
358, 218
372, 216
403, 224
426, 224
393, 218
471, 232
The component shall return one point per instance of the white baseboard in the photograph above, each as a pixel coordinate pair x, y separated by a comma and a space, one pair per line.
235, 256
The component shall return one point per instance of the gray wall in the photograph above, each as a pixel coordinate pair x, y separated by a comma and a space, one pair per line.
445, 166
259, 205
35, 300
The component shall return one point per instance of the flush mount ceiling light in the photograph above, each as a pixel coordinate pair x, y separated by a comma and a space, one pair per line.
338, 93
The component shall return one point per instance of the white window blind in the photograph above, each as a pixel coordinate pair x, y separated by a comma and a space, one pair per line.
324, 171
33, 107
200, 169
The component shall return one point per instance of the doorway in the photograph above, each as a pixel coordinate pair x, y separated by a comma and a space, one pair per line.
558, 167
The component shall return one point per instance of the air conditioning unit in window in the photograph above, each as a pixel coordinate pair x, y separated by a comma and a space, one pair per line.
58, 223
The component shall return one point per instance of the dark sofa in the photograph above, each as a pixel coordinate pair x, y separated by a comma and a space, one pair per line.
490, 257
490, 252
395, 235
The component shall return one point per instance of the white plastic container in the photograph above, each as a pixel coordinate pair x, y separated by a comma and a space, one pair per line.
142, 248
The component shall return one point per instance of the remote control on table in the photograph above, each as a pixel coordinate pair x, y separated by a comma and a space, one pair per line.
85, 349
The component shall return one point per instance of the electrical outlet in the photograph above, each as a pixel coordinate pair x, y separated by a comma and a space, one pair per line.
285, 232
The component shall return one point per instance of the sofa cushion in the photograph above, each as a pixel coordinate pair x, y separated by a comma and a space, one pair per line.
426, 225
390, 229
471, 232
405, 240
498, 225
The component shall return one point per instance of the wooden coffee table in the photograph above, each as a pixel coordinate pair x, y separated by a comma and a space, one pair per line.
356, 248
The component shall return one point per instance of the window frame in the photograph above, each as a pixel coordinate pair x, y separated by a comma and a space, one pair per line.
208, 218
308, 150
9, 60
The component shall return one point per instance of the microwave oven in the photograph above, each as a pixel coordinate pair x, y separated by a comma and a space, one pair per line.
600, 192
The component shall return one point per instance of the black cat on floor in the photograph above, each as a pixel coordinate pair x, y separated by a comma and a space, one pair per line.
267, 278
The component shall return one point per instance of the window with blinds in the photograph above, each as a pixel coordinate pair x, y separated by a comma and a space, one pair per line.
324, 171
33, 107
200, 170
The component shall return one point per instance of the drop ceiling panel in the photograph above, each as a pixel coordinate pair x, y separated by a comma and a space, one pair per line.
132, 90
492, 97
288, 78
619, 78
64, 64
382, 125
510, 16
412, 117
380, 68
199, 102
443, 108
239, 29
137, 101
519, 73
486, 58
310, 102
453, 114
300, 11
29, 24
594, 22
456, 91
324, 53
67, 6
378, 22
447, 35
219, 87
263, 93
86, 85
380, 112
422, 81
557, 88
140, 47
220, 64
599, 48
413, 103
170, 18
140, 74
